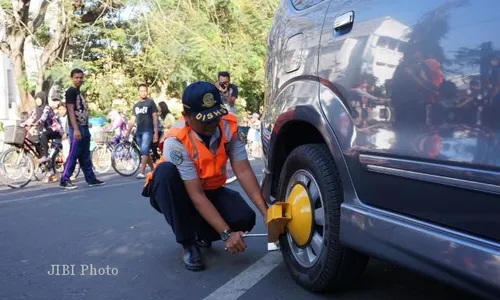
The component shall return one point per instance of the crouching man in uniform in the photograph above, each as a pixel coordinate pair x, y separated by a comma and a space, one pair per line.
188, 186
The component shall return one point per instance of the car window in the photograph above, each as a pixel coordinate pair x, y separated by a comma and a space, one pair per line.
303, 4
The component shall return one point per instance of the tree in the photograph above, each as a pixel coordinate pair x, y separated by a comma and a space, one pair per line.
167, 44
184, 41
25, 21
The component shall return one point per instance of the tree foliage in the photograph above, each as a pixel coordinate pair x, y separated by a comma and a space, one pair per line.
184, 41
163, 43
26, 21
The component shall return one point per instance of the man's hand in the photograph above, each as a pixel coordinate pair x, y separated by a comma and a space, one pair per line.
217, 85
155, 137
235, 243
64, 137
77, 134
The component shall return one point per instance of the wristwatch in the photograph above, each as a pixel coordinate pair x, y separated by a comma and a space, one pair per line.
225, 234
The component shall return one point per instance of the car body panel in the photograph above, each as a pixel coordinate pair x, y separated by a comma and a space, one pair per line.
293, 45
422, 190
297, 102
449, 256
405, 108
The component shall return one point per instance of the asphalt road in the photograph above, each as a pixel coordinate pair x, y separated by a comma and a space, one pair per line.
114, 226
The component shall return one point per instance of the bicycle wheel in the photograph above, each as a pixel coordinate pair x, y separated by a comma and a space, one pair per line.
125, 159
17, 168
40, 171
101, 158
230, 177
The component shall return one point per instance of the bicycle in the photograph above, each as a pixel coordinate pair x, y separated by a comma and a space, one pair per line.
126, 154
102, 153
56, 162
21, 161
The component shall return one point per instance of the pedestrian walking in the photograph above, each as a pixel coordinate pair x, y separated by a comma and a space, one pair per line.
145, 117
78, 134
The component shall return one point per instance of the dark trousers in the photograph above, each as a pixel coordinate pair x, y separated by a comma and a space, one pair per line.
154, 147
79, 150
170, 197
47, 135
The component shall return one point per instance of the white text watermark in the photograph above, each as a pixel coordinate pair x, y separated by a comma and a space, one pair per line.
81, 270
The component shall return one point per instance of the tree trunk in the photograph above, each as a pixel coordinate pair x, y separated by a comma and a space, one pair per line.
163, 89
39, 81
42, 84
17, 51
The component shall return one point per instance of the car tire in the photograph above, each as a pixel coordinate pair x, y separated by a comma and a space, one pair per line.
335, 267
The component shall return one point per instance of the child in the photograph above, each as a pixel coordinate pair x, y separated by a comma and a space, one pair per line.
63, 120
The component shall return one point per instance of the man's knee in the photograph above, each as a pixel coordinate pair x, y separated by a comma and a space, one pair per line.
245, 221
166, 182
243, 217
248, 220
158, 190
165, 171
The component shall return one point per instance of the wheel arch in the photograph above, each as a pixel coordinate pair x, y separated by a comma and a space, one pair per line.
302, 125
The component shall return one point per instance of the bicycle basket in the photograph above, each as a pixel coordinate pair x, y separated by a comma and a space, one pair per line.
100, 137
14, 135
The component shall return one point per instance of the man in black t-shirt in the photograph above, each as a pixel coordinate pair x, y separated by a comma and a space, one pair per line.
145, 116
228, 91
78, 134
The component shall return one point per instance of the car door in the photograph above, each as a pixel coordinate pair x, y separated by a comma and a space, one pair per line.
412, 89
292, 60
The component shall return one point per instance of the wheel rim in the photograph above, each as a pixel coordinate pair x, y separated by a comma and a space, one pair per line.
23, 168
102, 160
308, 253
125, 160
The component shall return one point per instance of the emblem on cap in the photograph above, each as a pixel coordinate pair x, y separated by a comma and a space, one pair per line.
208, 100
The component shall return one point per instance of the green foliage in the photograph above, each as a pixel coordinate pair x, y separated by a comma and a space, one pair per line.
168, 44
42, 35
185, 41
26, 83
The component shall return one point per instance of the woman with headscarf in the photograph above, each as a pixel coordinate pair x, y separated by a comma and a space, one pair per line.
167, 120
44, 118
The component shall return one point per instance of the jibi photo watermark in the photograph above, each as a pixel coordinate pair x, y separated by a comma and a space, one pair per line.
81, 270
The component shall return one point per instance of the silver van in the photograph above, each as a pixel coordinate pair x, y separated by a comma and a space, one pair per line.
382, 130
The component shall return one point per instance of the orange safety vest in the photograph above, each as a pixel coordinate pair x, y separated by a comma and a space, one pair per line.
211, 168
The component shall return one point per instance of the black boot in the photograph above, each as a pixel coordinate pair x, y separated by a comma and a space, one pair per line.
192, 257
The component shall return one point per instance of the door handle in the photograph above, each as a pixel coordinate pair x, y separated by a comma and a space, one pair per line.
343, 20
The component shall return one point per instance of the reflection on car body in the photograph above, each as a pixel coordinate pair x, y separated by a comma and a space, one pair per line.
404, 96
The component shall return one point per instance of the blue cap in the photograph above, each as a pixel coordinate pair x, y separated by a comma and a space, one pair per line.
203, 101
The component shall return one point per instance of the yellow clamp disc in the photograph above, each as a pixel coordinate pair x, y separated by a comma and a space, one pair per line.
300, 225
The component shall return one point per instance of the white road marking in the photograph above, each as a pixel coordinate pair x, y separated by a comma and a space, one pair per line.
65, 192
240, 284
